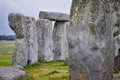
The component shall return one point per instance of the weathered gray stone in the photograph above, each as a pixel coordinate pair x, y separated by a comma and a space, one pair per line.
20, 54
117, 53
117, 45
17, 24
31, 38
8, 73
60, 41
90, 37
54, 16
45, 42
26, 50
116, 18
67, 56
16, 66
116, 22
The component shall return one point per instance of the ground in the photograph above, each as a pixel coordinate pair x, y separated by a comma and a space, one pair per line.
6, 49
53, 70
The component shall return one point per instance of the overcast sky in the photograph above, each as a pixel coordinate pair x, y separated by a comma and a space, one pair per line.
29, 8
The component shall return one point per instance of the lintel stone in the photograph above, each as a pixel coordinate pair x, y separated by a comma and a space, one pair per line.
54, 16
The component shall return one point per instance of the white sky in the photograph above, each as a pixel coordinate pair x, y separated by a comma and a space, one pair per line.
29, 8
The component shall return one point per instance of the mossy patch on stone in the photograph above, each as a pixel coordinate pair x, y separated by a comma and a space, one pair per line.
82, 75
92, 28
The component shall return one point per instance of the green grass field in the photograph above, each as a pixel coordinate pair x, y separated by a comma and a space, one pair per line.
5, 59
53, 70
6, 47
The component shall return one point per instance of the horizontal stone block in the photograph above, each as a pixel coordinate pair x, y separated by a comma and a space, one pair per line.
54, 16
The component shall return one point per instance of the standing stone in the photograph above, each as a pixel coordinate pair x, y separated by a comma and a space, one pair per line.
91, 44
67, 56
60, 41
116, 15
117, 53
31, 39
20, 55
25, 51
116, 20
45, 42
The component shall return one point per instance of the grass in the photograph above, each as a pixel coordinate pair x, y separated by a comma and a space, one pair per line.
6, 47
5, 59
46, 71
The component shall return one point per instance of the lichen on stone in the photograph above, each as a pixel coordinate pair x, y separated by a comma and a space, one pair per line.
82, 75
94, 10
78, 11
92, 28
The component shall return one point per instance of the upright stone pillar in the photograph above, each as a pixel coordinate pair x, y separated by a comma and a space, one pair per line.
20, 55
26, 49
45, 42
116, 18
59, 33
60, 41
91, 44
31, 38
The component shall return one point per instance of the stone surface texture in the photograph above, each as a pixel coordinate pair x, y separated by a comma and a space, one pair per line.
54, 16
20, 55
45, 41
16, 22
31, 38
8, 73
60, 41
25, 51
91, 42
116, 22
117, 45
